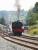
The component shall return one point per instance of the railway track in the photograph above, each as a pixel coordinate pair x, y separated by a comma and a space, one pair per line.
32, 38
23, 41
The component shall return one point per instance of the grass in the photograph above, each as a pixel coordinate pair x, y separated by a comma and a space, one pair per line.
33, 30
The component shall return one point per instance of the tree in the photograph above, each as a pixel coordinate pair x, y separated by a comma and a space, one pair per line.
31, 19
35, 9
33, 15
2, 21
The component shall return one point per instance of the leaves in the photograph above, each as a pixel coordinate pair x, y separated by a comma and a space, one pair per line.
2, 21
33, 15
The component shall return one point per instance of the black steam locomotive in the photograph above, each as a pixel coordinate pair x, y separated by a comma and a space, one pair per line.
17, 28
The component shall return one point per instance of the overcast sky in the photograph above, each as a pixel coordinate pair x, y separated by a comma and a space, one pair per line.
9, 5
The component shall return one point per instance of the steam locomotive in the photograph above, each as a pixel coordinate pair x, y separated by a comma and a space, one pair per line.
17, 28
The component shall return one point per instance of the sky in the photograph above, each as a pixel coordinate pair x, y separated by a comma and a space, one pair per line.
10, 5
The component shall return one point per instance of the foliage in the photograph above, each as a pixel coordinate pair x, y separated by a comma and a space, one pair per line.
2, 21
33, 15
35, 9
33, 30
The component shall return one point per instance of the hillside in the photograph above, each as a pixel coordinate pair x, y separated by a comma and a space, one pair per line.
12, 15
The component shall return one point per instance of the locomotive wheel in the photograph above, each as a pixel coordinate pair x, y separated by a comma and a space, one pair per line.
17, 33
14, 33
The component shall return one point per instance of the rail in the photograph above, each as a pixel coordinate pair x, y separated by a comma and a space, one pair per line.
32, 44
